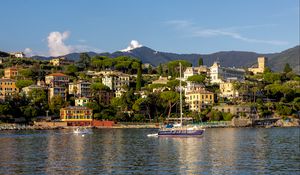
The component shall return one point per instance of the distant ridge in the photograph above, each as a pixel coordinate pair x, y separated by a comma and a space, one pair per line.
226, 58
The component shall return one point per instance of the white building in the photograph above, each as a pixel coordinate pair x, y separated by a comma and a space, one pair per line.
116, 82
190, 71
220, 74
80, 88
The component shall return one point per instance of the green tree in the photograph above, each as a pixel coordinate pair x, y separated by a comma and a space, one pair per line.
56, 103
200, 61
23, 83
84, 61
171, 98
139, 78
197, 78
287, 68
160, 70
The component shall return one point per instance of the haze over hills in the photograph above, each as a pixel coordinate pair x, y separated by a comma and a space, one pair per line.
226, 58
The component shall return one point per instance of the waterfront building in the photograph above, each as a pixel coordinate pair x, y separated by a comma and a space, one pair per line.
220, 74
11, 72
227, 90
262, 64
61, 61
116, 81
82, 101
57, 79
199, 99
77, 115
238, 110
80, 88
7, 88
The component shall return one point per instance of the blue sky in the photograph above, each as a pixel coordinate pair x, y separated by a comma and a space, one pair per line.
182, 26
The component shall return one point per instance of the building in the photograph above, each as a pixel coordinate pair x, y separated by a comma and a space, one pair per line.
28, 89
262, 64
220, 74
61, 61
192, 86
161, 80
116, 82
190, 71
17, 54
77, 115
57, 79
199, 99
227, 90
238, 110
80, 88
57, 91
7, 88
11, 72
82, 101
106, 96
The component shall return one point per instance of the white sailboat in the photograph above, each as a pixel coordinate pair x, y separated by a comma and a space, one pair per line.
179, 129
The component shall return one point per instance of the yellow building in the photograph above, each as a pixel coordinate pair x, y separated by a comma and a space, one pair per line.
262, 64
7, 88
10, 72
60, 61
227, 90
77, 115
199, 99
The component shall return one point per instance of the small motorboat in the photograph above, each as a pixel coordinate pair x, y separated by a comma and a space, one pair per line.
82, 131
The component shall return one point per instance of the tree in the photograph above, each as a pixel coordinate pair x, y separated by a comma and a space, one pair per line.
56, 103
139, 77
200, 61
160, 70
23, 83
84, 61
197, 78
171, 98
287, 68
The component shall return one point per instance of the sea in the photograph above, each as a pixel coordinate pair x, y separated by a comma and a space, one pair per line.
130, 151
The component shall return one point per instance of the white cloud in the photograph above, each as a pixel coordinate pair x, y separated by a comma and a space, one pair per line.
133, 45
28, 52
196, 31
56, 43
57, 46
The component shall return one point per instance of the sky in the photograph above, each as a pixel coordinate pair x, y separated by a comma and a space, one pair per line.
59, 27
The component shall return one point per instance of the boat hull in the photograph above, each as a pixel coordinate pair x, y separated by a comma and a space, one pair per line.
181, 133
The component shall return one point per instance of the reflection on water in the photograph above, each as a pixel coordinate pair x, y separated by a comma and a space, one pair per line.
130, 151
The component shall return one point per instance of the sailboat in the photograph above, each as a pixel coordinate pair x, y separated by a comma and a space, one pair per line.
179, 129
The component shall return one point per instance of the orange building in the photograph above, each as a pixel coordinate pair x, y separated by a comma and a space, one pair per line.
77, 115
11, 72
7, 88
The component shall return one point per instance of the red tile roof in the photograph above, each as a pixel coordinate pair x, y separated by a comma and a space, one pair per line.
57, 75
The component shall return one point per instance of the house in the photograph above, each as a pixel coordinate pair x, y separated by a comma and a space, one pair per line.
17, 55
77, 115
57, 91
161, 80
116, 82
61, 61
220, 74
80, 88
28, 89
57, 79
11, 72
190, 71
82, 101
199, 99
262, 64
228, 90
237, 110
7, 88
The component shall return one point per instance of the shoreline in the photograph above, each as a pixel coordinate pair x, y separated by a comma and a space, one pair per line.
6, 127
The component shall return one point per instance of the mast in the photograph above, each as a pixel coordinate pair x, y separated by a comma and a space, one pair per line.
180, 90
